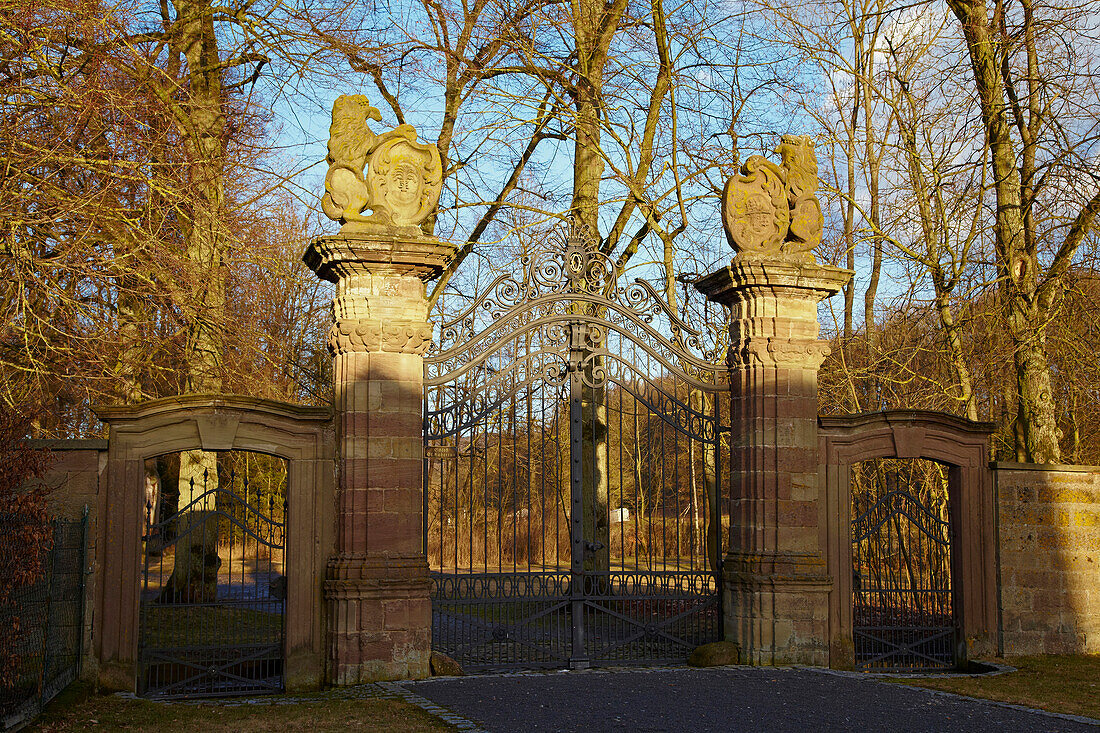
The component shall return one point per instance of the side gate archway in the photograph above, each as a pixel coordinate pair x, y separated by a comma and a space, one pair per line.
303, 438
573, 471
965, 540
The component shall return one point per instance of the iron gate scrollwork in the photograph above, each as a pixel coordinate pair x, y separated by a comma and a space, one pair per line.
903, 613
573, 465
213, 595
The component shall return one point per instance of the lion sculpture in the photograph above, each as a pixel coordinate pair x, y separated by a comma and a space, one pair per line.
771, 211
807, 221
360, 176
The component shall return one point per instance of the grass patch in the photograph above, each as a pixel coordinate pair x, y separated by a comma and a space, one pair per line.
77, 709
1061, 684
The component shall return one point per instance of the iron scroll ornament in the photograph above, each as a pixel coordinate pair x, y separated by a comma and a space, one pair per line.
556, 276
473, 405
563, 313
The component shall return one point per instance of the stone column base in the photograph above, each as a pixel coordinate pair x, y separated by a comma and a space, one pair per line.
777, 608
380, 619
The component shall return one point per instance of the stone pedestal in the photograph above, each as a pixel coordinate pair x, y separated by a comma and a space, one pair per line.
376, 586
775, 574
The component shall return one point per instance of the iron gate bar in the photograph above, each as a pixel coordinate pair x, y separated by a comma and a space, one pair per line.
488, 631
579, 657
475, 409
455, 648
501, 632
553, 349
935, 634
649, 629
186, 688
514, 624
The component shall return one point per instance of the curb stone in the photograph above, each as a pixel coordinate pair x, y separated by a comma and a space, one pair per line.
368, 691
447, 716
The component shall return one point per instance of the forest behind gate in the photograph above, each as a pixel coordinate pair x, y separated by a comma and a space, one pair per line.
162, 165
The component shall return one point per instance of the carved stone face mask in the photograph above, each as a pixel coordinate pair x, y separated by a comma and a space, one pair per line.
404, 185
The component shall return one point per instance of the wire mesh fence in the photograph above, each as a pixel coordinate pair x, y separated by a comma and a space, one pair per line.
41, 618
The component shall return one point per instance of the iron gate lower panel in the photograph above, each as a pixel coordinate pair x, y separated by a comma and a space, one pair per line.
490, 621
223, 663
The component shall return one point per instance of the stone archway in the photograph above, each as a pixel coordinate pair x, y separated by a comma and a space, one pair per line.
303, 436
960, 444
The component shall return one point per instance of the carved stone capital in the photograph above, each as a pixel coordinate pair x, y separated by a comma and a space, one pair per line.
745, 280
341, 256
354, 575
366, 335
776, 568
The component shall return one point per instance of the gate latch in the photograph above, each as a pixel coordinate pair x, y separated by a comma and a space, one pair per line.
591, 546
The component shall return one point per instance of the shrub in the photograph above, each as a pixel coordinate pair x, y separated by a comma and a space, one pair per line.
25, 532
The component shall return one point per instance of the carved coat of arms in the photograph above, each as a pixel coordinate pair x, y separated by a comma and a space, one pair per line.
754, 207
395, 177
771, 212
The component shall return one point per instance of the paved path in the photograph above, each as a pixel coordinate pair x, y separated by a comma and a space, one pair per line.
723, 699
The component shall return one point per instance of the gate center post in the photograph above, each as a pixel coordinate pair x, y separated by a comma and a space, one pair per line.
776, 582
376, 586
578, 659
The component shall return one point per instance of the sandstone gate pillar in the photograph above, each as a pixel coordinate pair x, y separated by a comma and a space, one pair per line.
775, 576
376, 586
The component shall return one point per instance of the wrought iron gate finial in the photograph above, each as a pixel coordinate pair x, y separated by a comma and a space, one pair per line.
579, 234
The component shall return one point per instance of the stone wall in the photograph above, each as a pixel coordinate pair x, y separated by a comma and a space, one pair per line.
1049, 558
74, 478
74, 475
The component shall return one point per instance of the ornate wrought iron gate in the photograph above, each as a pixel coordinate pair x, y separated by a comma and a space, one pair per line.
572, 472
901, 557
213, 596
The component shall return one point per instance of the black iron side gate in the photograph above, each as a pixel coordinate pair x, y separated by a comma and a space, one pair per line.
904, 611
213, 590
572, 472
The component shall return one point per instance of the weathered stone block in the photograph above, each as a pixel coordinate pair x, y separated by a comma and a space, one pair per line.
395, 424
715, 654
1050, 525
444, 666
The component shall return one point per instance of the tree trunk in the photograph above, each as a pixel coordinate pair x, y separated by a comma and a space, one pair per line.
1037, 434
195, 572
594, 466
710, 488
935, 228
958, 357
131, 315
1035, 403
874, 160
205, 234
594, 27
640, 498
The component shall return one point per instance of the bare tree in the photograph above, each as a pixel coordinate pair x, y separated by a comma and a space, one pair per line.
1036, 87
